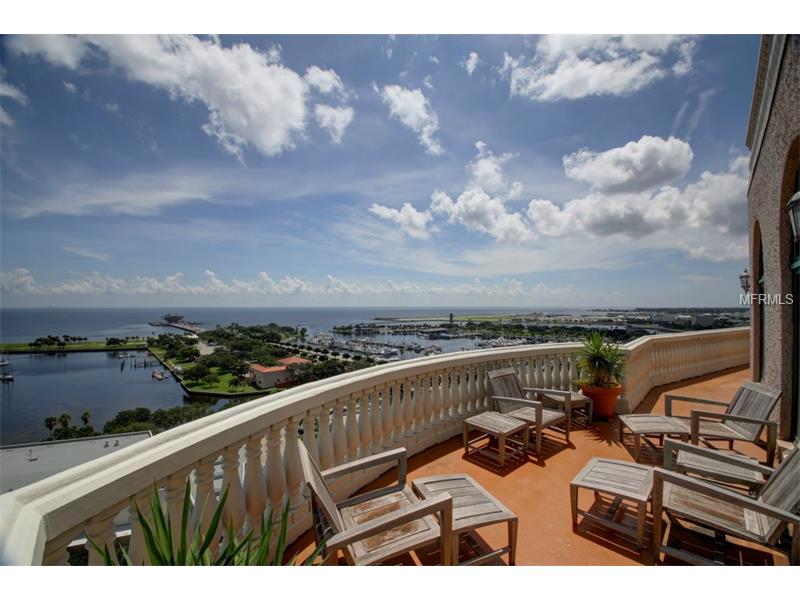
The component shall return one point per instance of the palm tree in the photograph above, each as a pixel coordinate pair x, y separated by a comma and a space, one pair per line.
85, 418
50, 423
64, 420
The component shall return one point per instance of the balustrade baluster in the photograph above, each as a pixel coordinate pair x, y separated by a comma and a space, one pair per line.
234, 509
276, 477
399, 391
433, 402
339, 433
325, 439
310, 434
377, 421
294, 471
255, 489
205, 500
100, 529
352, 428
388, 418
411, 397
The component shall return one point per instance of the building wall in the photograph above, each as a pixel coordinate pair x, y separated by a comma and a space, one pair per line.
269, 380
770, 190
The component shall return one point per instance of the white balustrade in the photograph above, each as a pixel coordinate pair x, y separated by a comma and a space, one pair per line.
416, 403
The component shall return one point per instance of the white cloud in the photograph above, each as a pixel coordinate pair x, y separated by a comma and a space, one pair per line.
63, 50
252, 99
434, 59
334, 120
576, 66
327, 81
696, 278
22, 282
478, 211
714, 206
412, 222
135, 194
703, 99
470, 63
413, 110
636, 166
428, 82
85, 253
111, 107
9, 91
486, 170
70, 87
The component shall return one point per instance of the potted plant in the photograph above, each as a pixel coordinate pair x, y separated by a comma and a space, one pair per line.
601, 365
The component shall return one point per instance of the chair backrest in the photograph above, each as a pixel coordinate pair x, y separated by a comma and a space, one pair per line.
752, 400
782, 490
323, 500
505, 382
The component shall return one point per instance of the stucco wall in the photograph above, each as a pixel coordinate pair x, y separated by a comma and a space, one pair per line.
770, 189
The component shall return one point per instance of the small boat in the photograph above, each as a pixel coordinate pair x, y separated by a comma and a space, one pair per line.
6, 377
158, 375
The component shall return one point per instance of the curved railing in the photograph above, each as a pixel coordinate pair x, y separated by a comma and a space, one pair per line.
252, 447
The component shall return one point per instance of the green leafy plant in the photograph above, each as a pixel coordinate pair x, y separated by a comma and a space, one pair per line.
601, 364
195, 547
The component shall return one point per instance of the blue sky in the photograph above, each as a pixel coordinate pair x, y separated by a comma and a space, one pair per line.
374, 170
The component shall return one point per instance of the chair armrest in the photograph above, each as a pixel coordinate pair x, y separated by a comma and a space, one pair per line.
670, 398
672, 447
442, 504
521, 401
700, 486
400, 455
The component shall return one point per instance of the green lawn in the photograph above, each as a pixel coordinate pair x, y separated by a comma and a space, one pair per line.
221, 387
89, 346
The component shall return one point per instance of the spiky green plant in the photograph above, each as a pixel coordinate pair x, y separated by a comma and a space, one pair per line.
196, 547
601, 364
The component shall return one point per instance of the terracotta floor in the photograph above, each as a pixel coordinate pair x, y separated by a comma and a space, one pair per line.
538, 490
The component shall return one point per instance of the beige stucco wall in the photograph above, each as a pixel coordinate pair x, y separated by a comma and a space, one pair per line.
770, 189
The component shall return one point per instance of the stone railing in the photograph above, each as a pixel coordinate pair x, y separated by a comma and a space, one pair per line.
252, 448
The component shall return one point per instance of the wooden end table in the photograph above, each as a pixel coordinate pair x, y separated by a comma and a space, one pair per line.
473, 507
624, 481
511, 435
646, 425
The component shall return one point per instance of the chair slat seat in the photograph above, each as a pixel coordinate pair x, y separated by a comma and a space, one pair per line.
384, 545
549, 416
718, 430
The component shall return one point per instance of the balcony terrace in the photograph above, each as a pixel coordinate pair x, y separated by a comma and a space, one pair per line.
418, 404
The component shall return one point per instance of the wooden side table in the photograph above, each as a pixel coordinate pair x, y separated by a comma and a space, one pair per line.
624, 481
473, 507
646, 424
511, 435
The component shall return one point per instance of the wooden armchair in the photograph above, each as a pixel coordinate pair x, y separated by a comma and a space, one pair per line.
375, 526
744, 419
509, 398
762, 519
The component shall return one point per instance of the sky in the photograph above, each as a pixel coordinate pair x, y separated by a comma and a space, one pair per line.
338, 170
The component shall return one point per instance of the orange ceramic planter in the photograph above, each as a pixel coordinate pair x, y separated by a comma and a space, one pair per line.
604, 399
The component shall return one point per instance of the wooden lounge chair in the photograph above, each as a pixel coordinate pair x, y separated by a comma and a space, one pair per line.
509, 398
720, 466
762, 519
744, 419
375, 526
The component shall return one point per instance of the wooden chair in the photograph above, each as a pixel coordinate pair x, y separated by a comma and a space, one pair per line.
762, 519
375, 526
744, 419
509, 398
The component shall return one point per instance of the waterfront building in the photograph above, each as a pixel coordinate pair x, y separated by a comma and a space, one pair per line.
269, 377
773, 136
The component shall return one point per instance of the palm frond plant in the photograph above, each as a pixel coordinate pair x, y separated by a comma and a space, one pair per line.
196, 547
601, 366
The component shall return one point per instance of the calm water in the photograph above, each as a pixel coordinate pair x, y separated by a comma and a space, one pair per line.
103, 384
47, 385
26, 324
